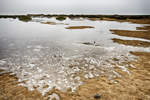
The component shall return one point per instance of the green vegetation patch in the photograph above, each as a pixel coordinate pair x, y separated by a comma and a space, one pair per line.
61, 18
25, 18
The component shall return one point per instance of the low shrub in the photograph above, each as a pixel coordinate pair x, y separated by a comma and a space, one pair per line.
61, 18
24, 18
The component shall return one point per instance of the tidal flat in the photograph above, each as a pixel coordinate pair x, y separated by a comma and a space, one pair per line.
42, 59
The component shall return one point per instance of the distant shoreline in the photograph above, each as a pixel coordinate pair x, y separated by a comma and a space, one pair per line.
79, 15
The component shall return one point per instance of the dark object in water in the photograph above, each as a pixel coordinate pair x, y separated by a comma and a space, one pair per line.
94, 42
88, 43
97, 96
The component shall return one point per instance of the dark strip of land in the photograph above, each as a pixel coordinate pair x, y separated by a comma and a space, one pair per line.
84, 16
79, 27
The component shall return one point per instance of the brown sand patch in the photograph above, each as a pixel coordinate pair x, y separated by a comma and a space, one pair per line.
137, 21
132, 42
1, 70
144, 32
53, 23
145, 54
95, 19
9, 90
106, 19
79, 27
144, 28
140, 21
113, 19
129, 87
50, 23
137, 34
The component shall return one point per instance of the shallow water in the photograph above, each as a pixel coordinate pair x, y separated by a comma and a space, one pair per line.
50, 55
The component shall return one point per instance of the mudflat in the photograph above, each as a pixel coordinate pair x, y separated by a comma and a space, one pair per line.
133, 86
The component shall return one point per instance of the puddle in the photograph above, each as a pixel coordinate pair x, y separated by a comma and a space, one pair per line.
45, 56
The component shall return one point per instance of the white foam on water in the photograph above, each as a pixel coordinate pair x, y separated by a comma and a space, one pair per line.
54, 96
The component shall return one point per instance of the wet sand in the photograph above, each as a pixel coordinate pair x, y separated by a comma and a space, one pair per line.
132, 42
50, 23
142, 32
9, 89
79, 27
137, 21
53, 23
137, 34
134, 86
129, 87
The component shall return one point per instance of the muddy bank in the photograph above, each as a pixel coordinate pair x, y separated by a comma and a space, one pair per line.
79, 27
53, 23
143, 20
49, 23
136, 34
132, 42
9, 89
143, 32
139, 21
144, 28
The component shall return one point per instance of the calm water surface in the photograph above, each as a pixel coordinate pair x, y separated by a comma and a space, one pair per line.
42, 54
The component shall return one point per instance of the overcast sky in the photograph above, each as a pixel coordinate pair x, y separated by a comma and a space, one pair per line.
75, 6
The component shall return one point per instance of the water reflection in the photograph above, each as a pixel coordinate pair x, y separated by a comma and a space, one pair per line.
44, 54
